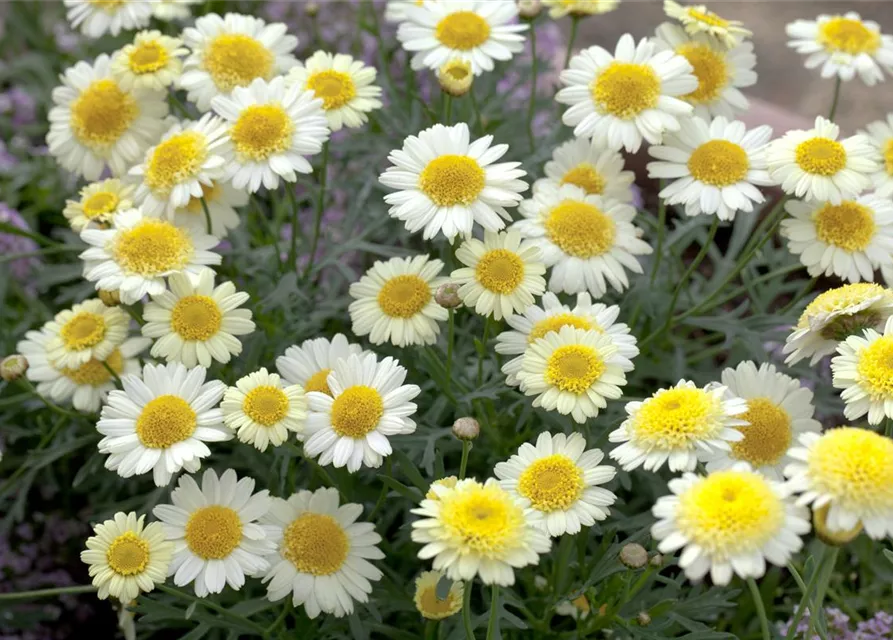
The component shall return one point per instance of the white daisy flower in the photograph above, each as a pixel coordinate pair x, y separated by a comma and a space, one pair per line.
843, 46
850, 239
560, 480
89, 330
152, 61
197, 323
262, 410
864, 370
98, 203
222, 199
588, 240
323, 555
729, 523
481, 32
814, 165
713, 167
368, 404
394, 302
596, 170
445, 183
578, 8
617, 100
215, 531
674, 425
160, 423
310, 364
95, 19
169, 10
395, 10
696, 18
96, 124
880, 133
138, 252
231, 52
502, 274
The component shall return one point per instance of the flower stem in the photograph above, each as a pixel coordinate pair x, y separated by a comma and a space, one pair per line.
447, 108
494, 616
761, 609
207, 215
477, 110
293, 247
48, 593
223, 611
822, 587
483, 351
534, 70
800, 610
835, 100
575, 21
113, 373
451, 333
661, 232
323, 171
466, 447
466, 612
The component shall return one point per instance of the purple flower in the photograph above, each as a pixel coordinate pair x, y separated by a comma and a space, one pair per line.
880, 627
12, 243
838, 626
23, 106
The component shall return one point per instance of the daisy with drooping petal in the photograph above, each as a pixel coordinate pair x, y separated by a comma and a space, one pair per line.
169, 10
222, 199
310, 364
368, 403
849, 239
729, 523
323, 555
97, 18
427, 601
814, 165
89, 330
96, 124
596, 170
153, 61
394, 302
126, 556
864, 370
674, 425
560, 480
446, 183
579, 8
880, 133
696, 18
502, 274
713, 167
617, 100
588, 240
160, 423
98, 203
215, 531
262, 410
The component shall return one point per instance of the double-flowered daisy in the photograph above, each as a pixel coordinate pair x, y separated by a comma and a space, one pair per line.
579, 8
596, 170
445, 183
427, 601
559, 477
152, 61
730, 522
696, 18
97, 18
96, 123
678, 426
473, 529
713, 167
394, 302
262, 410
850, 239
502, 274
849, 472
161, 422
864, 371
215, 531
589, 241
98, 203
222, 200
369, 402
323, 557
617, 100
89, 330
310, 364
880, 133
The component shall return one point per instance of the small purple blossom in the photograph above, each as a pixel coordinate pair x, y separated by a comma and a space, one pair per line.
838, 626
11, 243
880, 627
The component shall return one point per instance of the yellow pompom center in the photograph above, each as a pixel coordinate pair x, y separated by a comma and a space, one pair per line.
553, 483
846, 35
574, 368
262, 131
82, 331
164, 421
848, 225
483, 520
153, 248
357, 411
234, 60
94, 373
100, 203
719, 163
462, 30
148, 57
213, 532
553, 324
626, 89
319, 381
404, 296
586, 177
676, 418
451, 180
102, 114
315, 544
266, 405
849, 295
176, 160
855, 467
875, 368
768, 436
500, 271
128, 554
580, 229
820, 156
710, 68
334, 87
196, 318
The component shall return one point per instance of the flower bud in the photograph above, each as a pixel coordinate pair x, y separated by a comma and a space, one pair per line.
657, 560
466, 428
311, 9
455, 77
447, 296
529, 9
634, 555
13, 367
832, 538
109, 298
643, 619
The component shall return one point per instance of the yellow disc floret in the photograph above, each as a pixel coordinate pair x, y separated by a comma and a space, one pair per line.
710, 69
768, 436
500, 271
84, 330
854, 467
719, 163
847, 35
874, 368
213, 532
153, 248
404, 296
99, 204
315, 544
451, 180
574, 368
164, 421
148, 56
677, 418
553, 483
587, 177
234, 60
128, 554
482, 519
580, 229
266, 405
95, 373
319, 381
626, 89
357, 411
462, 30
848, 225
102, 114
553, 324
262, 131
820, 156
177, 159
196, 317
334, 87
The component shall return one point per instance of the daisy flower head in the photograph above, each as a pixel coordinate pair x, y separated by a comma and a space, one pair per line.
343, 84
262, 410
232, 51
815, 165
215, 531
864, 371
475, 528
445, 183
849, 471
310, 364
95, 19
596, 170
323, 557
427, 601
559, 477
368, 403
617, 100
501, 275
88, 330
395, 10
880, 133
96, 123
589, 241
849, 239
674, 425
161, 422
152, 61
98, 203
126, 556
713, 167
843, 46
222, 200
197, 323
730, 522
696, 18
169, 10
579, 8
573, 371
480, 31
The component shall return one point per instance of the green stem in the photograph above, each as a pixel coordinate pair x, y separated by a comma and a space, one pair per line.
494, 614
207, 215
223, 611
821, 588
661, 232
534, 70
575, 21
178, 105
133, 313
482, 353
477, 110
466, 612
50, 405
293, 246
888, 428
286, 607
835, 100
761, 609
451, 334
801, 608
447, 108
431, 630
47, 593
466, 447
113, 373
319, 207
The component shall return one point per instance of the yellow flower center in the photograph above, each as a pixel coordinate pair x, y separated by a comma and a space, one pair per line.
626, 89
93, 373
164, 421
710, 69
357, 411
875, 368
196, 318
334, 87
585, 176
846, 35
213, 532
848, 225
234, 60
266, 405
128, 554
148, 57
855, 467
262, 131
676, 418
580, 229
83, 331
849, 295
319, 381
102, 114
553, 324
463, 30
177, 159
574, 368
769, 435
99, 204
316, 544
820, 156
719, 163
888, 157
109, 6
483, 520
433, 608
451, 180
730, 512
449, 482
553, 483
404, 296
707, 17
210, 194
153, 248
500, 271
